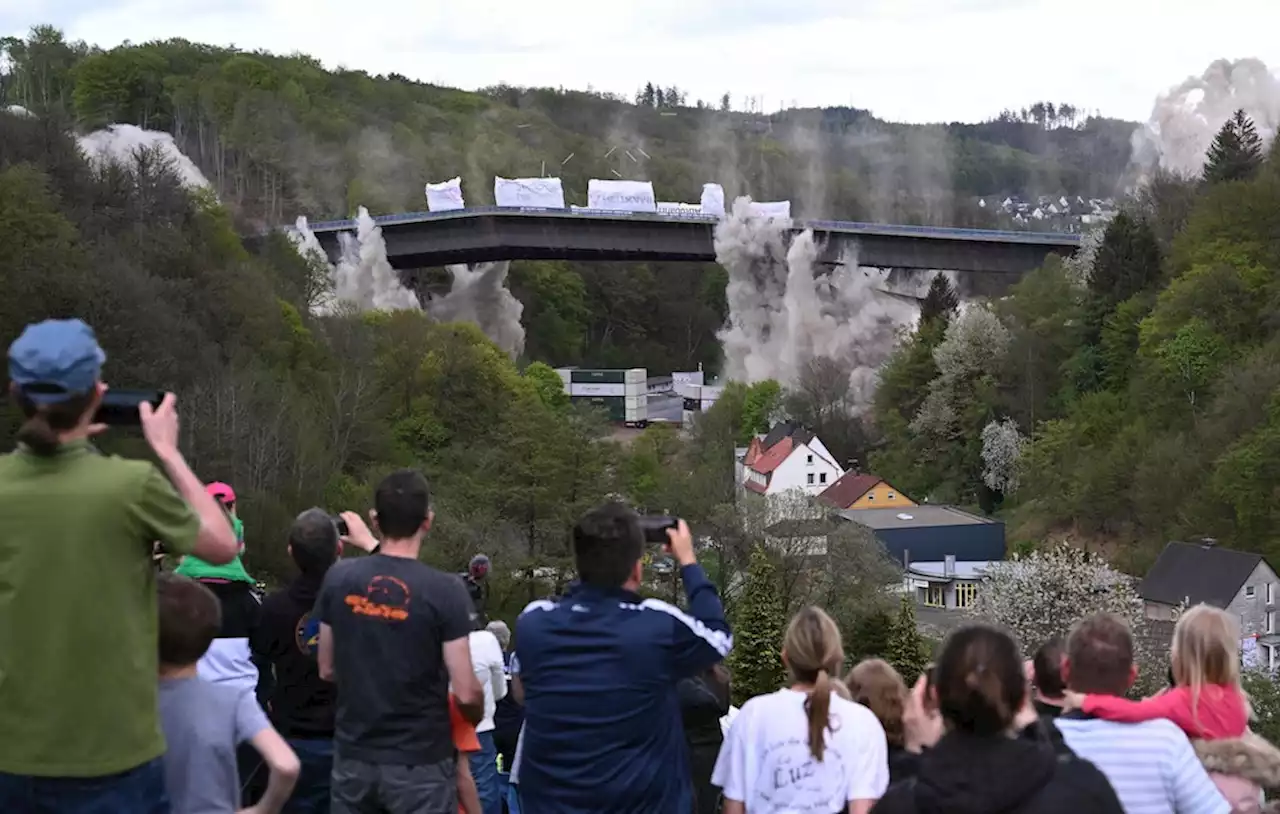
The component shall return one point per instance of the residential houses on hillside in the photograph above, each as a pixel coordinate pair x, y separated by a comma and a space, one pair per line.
1063, 213
1243, 584
942, 550
788, 458
859, 490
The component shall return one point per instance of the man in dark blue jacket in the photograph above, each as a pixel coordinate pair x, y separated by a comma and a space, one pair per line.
600, 669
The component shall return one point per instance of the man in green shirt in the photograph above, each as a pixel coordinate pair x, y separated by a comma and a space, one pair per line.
79, 732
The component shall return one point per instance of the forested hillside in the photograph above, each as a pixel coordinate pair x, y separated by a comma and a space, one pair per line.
298, 410
1127, 397
281, 137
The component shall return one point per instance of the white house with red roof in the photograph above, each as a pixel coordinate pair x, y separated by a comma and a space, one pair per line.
788, 458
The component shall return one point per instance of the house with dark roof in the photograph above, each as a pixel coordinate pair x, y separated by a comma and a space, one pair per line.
788, 458
860, 490
1243, 584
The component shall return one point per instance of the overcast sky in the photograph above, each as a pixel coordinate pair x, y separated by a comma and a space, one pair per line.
906, 60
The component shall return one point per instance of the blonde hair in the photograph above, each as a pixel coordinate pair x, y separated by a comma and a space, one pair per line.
1206, 646
814, 653
876, 685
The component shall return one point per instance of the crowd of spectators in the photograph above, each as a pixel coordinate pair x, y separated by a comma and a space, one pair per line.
377, 683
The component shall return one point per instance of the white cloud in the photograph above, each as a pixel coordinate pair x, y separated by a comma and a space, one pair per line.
910, 60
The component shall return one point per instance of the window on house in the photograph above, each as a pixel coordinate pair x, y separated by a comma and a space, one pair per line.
871, 497
822, 477
890, 496
1248, 592
966, 593
1271, 621
1271, 593
809, 460
1271, 658
810, 478
936, 597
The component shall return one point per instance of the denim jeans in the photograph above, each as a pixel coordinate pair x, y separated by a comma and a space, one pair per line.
311, 794
137, 791
513, 798
484, 768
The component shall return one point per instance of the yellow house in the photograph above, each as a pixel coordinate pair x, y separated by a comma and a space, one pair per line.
862, 491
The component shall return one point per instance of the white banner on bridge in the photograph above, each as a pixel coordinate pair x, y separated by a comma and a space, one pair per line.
675, 208
445, 196
770, 210
534, 193
713, 200
621, 196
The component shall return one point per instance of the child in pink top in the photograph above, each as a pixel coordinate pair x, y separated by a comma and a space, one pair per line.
1218, 712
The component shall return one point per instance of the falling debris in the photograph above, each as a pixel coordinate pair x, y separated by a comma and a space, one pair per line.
642, 152
633, 158
479, 296
615, 172
782, 315
566, 159
612, 150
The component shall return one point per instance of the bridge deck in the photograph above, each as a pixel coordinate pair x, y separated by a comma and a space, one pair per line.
426, 239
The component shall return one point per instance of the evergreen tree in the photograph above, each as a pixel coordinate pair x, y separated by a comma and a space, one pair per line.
1236, 152
648, 95
724, 103
941, 303
1127, 263
868, 637
906, 647
756, 660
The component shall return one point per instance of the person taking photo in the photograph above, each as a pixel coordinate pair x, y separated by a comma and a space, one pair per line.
78, 698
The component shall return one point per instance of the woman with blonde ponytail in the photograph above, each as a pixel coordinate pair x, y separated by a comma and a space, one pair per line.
806, 747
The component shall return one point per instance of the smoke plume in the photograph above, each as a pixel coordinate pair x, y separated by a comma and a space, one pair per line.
782, 314
119, 142
1185, 119
363, 277
479, 296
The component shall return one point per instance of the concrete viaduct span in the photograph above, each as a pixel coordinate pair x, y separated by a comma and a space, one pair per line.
418, 240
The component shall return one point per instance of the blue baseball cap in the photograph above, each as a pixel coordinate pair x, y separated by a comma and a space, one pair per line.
55, 360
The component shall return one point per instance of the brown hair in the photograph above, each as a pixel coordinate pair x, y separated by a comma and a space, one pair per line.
814, 653
981, 682
39, 432
1100, 655
877, 686
190, 618
1046, 667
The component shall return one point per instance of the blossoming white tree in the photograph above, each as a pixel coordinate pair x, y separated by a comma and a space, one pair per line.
974, 345
1042, 595
1001, 451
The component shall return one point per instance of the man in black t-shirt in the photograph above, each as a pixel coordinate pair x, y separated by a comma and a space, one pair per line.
393, 636
300, 703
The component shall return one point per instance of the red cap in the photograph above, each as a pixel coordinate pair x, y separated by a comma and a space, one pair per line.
221, 492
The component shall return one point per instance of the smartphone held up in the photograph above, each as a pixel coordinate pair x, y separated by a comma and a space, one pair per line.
120, 408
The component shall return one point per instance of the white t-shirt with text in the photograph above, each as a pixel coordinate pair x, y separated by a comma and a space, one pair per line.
766, 762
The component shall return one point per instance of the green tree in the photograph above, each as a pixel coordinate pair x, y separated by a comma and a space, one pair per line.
759, 619
1236, 152
1127, 263
941, 303
760, 407
549, 386
905, 648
